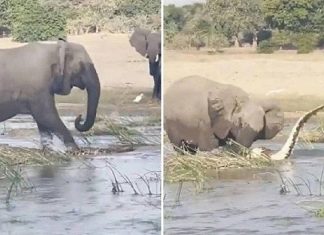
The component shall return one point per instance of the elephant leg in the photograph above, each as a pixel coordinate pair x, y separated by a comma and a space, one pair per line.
206, 138
158, 88
154, 87
45, 135
46, 115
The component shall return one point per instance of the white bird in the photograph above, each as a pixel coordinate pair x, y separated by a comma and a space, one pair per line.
288, 147
138, 98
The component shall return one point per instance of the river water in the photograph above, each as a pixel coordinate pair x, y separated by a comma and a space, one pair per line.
77, 198
250, 202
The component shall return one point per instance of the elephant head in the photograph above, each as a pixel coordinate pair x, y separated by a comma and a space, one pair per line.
234, 115
75, 69
146, 43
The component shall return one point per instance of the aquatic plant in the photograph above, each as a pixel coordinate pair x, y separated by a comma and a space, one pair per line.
151, 180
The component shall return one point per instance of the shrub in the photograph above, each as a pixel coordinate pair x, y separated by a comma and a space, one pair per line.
284, 40
306, 43
266, 47
180, 41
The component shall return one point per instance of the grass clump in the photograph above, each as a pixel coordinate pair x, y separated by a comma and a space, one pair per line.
29, 156
124, 130
187, 167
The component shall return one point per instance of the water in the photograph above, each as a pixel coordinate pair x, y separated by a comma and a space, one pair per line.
249, 202
77, 198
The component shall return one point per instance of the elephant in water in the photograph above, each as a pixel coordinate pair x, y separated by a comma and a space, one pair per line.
31, 75
203, 114
149, 45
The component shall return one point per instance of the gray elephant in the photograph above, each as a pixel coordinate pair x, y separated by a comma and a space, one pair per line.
203, 114
31, 75
149, 45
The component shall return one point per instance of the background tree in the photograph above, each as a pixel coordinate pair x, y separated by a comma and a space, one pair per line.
235, 16
294, 15
31, 21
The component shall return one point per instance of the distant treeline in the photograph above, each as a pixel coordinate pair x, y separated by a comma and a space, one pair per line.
268, 25
30, 20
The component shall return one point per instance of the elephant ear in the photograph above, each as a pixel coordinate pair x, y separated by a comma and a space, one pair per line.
138, 40
273, 119
220, 109
61, 84
62, 49
154, 47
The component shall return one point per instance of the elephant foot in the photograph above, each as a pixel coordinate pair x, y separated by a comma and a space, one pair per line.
72, 148
189, 147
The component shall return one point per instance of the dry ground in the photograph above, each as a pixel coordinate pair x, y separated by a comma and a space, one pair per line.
285, 76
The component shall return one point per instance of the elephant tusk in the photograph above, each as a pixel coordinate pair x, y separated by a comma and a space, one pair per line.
288, 147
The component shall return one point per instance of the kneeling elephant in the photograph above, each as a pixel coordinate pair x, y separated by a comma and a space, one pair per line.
204, 114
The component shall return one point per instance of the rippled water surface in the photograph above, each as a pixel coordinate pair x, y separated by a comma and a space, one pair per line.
77, 198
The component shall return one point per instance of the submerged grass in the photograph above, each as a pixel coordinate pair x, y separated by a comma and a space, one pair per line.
186, 167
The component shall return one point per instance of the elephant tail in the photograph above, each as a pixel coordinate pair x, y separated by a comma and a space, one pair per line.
288, 147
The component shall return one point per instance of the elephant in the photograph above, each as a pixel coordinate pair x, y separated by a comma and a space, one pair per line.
149, 45
202, 114
33, 74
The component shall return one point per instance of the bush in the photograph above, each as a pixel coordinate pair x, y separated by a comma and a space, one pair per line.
284, 40
32, 21
306, 43
179, 41
266, 47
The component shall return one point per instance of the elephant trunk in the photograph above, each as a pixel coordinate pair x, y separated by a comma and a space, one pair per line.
92, 84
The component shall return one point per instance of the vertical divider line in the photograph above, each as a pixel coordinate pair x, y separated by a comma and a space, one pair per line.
162, 115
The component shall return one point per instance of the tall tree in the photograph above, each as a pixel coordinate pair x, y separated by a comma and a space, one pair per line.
295, 15
235, 16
